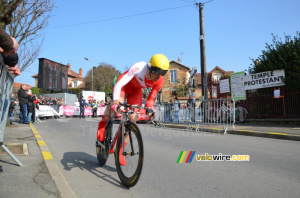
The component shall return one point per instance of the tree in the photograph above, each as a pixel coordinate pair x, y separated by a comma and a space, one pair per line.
6, 9
104, 75
25, 20
35, 90
281, 55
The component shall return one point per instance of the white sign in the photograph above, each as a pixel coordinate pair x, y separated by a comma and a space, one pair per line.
264, 79
45, 111
224, 86
237, 86
93, 95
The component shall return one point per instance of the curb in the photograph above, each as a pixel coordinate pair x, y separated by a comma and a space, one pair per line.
273, 135
62, 185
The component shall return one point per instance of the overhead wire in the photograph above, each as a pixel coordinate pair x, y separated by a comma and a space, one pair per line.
122, 17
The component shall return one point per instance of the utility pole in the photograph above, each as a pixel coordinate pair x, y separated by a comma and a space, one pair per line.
202, 52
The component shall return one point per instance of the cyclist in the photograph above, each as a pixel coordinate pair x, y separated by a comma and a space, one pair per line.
130, 83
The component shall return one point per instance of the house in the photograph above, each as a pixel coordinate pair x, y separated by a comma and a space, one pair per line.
75, 80
176, 80
213, 78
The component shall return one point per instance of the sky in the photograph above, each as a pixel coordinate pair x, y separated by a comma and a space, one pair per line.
121, 32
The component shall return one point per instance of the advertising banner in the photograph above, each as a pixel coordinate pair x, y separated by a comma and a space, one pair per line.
68, 110
45, 111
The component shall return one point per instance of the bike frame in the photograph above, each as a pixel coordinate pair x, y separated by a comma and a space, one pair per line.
125, 118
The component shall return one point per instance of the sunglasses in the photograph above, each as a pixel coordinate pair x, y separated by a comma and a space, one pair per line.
156, 70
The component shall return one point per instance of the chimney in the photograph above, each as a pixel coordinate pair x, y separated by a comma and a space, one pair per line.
80, 72
69, 68
178, 60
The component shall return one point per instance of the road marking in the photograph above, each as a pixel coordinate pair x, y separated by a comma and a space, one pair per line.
41, 143
37, 136
217, 129
277, 133
47, 155
246, 130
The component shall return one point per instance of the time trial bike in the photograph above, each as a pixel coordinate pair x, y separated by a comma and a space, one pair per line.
129, 138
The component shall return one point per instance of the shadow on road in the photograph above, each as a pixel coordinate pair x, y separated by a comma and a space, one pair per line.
88, 162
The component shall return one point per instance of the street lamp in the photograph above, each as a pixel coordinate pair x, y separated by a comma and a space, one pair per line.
85, 58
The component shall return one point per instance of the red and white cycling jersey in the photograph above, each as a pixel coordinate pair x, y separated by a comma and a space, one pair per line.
131, 83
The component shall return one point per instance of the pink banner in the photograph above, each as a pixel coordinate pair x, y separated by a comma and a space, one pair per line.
88, 111
68, 110
72, 110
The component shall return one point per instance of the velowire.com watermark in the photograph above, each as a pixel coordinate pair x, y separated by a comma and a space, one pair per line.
208, 157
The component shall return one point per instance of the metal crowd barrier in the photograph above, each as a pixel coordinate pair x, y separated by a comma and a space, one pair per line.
6, 85
212, 111
159, 115
216, 112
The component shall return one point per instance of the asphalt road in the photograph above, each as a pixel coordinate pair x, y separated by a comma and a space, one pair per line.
273, 169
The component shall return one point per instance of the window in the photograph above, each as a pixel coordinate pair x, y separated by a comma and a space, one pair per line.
214, 92
75, 83
173, 76
217, 76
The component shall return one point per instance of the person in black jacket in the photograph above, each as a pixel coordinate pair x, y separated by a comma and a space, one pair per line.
23, 100
30, 106
82, 105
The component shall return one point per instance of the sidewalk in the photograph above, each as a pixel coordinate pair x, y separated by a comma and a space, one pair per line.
269, 130
31, 180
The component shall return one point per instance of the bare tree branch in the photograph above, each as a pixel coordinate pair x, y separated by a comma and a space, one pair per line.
26, 25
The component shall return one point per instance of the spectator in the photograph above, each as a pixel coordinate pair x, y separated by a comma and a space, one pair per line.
8, 49
94, 108
23, 100
77, 104
191, 106
82, 105
167, 108
30, 105
35, 106
102, 103
54, 102
50, 102
194, 96
62, 102
108, 100
12, 111
176, 109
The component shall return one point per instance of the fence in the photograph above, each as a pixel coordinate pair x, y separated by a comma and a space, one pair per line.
6, 83
212, 111
262, 104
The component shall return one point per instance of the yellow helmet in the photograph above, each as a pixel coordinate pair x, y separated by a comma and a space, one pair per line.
159, 64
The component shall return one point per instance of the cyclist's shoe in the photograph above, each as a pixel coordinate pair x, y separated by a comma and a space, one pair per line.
101, 130
121, 156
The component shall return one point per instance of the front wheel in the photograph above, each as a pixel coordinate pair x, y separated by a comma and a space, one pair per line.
134, 155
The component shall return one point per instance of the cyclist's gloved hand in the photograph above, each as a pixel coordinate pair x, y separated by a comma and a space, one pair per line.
150, 111
114, 107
